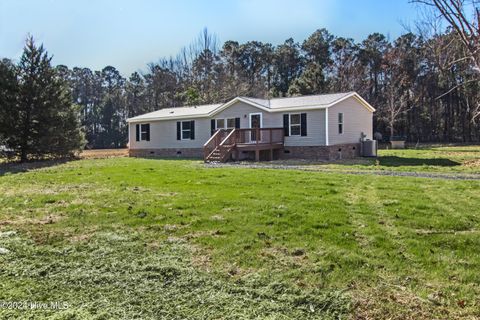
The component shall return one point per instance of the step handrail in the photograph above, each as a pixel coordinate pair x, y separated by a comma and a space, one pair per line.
227, 137
213, 137
225, 148
212, 143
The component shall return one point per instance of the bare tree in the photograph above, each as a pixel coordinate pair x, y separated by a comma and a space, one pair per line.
395, 107
464, 18
466, 28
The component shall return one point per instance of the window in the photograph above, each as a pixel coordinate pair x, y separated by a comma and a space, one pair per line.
225, 123
295, 124
340, 123
145, 132
231, 123
220, 123
186, 130
228, 123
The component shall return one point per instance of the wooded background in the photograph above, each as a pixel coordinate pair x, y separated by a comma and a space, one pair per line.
424, 84
409, 81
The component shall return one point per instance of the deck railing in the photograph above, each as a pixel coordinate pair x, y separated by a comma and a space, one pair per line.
223, 142
260, 136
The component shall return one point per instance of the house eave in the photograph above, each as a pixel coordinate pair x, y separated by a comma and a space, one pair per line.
226, 105
359, 99
235, 100
133, 120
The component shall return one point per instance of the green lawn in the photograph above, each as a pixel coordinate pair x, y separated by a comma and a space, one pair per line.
143, 238
464, 159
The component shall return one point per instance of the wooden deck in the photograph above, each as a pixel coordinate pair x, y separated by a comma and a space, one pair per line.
225, 143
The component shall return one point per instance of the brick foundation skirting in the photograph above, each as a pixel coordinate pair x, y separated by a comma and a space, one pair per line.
335, 152
167, 153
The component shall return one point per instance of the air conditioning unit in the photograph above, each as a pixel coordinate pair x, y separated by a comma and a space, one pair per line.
369, 148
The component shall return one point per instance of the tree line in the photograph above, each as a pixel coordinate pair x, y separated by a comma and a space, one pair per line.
408, 80
424, 84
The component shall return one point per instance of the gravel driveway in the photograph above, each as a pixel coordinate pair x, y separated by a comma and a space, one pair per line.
447, 176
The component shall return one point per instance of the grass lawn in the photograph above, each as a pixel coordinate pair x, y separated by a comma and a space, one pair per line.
147, 239
464, 159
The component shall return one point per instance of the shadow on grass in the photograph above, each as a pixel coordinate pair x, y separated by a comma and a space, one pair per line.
446, 149
393, 161
19, 167
169, 158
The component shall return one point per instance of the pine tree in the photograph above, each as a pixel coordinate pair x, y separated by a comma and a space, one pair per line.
46, 122
8, 96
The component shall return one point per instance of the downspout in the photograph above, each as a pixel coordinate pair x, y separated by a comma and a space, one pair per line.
128, 135
326, 127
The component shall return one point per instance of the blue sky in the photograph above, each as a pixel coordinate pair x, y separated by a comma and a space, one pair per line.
130, 34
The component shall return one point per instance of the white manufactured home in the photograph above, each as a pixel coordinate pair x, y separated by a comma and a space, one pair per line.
329, 126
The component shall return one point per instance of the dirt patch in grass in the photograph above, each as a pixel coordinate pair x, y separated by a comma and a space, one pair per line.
48, 219
33, 189
201, 257
203, 233
475, 163
377, 303
81, 238
103, 153
399, 303
85, 236
454, 232
293, 258
217, 217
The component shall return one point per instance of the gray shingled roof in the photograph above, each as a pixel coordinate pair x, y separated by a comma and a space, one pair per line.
272, 105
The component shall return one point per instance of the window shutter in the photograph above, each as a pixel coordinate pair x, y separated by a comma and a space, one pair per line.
137, 127
212, 127
237, 123
148, 132
285, 125
179, 130
192, 130
303, 124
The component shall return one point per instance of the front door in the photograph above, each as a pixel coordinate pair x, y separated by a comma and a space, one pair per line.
255, 122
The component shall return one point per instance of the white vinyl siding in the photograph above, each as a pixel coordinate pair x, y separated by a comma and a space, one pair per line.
356, 119
315, 130
163, 134
241, 110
